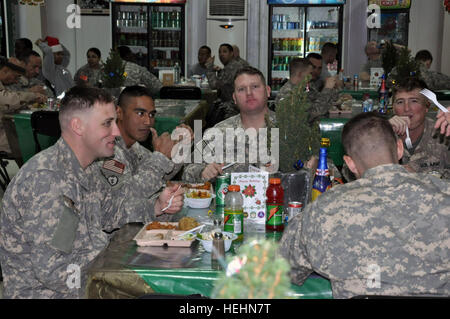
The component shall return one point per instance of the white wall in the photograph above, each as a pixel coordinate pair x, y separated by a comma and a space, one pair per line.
196, 29
445, 61
426, 28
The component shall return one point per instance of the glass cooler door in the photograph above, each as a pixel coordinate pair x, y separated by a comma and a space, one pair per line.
322, 25
287, 41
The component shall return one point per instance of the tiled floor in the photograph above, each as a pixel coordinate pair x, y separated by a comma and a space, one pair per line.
12, 169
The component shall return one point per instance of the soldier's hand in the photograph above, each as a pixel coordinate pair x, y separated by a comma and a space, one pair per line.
164, 198
330, 82
399, 124
443, 122
210, 60
38, 89
40, 98
211, 171
163, 143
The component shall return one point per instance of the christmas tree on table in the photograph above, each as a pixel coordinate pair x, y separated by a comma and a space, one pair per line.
114, 71
256, 273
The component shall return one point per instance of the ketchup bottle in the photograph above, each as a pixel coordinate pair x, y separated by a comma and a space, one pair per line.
274, 206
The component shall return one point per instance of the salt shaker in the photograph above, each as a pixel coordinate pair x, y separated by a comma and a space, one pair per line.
218, 250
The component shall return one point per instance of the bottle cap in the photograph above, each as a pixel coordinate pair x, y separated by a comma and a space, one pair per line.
234, 188
274, 181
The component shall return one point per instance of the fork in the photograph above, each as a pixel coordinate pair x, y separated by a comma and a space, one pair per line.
432, 97
170, 200
408, 140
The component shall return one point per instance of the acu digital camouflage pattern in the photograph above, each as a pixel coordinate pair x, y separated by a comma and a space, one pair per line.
144, 172
11, 101
320, 102
53, 215
435, 80
139, 75
384, 234
25, 84
192, 172
431, 155
94, 76
223, 82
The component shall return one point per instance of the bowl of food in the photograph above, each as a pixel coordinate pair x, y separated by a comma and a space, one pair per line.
198, 198
207, 238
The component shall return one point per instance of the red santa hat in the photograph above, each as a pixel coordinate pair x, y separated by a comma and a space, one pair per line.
54, 44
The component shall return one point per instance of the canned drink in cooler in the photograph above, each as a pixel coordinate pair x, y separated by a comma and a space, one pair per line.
222, 183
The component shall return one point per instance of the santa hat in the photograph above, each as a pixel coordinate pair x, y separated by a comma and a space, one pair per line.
54, 44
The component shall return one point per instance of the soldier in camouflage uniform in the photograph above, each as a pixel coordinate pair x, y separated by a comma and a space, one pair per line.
385, 234
11, 101
429, 153
222, 80
91, 73
251, 95
434, 80
136, 74
30, 81
133, 165
55, 212
320, 101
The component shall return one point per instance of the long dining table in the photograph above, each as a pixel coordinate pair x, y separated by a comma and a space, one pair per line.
126, 270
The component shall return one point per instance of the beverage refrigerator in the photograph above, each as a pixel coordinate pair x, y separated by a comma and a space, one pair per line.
297, 28
394, 21
154, 30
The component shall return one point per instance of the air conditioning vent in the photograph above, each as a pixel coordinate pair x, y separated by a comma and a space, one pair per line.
227, 8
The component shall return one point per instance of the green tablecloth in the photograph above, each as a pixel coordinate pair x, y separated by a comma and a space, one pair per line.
126, 270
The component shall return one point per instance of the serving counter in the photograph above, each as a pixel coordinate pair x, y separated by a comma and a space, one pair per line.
124, 270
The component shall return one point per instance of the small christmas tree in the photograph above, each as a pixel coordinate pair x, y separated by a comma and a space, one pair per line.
114, 71
389, 57
258, 272
406, 66
299, 139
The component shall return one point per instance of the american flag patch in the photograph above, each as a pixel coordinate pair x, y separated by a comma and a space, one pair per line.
114, 166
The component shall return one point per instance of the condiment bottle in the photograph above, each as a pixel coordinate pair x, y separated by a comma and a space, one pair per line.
233, 221
218, 251
274, 206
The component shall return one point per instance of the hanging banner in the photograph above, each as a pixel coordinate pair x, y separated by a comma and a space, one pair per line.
32, 2
392, 4
324, 2
152, 1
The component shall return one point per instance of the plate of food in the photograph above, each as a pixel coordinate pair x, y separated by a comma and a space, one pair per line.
168, 233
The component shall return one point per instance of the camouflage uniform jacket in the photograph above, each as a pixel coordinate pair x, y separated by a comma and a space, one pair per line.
431, 154
52, 217
93, 76
320, 102
223, 80
139, 75
58, 75
384, 234
24, 84
137, 168
11, 101
192, 172
435, 80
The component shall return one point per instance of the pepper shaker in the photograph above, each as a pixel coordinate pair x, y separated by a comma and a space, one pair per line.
218, 251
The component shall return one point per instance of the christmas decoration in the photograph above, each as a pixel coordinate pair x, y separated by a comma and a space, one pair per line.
447, 5
405, 67
257, 272
114, 71
299, 140
389, 57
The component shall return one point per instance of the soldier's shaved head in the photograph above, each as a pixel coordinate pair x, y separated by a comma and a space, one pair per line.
370, 140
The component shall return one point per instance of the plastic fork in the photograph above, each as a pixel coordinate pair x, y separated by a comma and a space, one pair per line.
170, 200
432, 97
408, 140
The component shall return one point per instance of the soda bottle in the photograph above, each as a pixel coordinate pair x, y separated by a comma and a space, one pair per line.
322, 181
177, 73
383, 96
274, 206
233, 220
